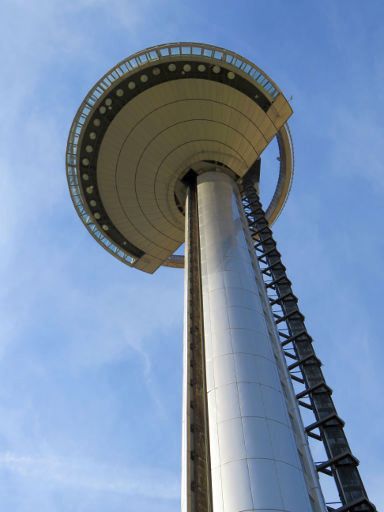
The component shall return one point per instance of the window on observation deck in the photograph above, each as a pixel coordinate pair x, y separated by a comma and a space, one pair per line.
238, 63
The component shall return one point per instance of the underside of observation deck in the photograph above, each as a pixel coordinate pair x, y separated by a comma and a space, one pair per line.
151, 119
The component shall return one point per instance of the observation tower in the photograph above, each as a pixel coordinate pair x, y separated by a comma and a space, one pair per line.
166, 149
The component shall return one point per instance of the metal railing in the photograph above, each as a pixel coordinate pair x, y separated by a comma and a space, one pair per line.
79, 203
127, 66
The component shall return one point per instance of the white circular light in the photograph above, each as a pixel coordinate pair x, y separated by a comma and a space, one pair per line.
119, 92
105, 227
89, 189
92, 203
92, 135
85, 161
172, 67
85, 177
108, 102
231, 75
88, 149
201, 67
187, 67
97, 215
216, 69
144, 78
131, 85
102, 110
156, 71
96, 122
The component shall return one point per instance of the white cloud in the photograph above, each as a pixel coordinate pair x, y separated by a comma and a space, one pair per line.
91, 476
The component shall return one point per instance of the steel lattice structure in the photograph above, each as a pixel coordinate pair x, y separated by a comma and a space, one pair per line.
298, 349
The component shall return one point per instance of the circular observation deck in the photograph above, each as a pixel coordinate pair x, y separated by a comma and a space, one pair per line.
152, 118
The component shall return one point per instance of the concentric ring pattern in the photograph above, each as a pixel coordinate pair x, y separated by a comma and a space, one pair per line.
152, 118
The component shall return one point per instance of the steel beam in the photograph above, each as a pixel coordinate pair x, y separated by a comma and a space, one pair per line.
196, 467
341, 464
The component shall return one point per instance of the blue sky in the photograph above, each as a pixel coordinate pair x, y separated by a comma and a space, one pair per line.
90, 350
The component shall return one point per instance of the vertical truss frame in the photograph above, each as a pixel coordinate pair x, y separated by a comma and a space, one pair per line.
303, 365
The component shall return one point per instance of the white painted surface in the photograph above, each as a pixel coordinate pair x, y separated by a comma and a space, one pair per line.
254, 456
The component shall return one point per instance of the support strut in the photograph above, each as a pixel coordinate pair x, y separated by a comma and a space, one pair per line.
297, 347
200, 468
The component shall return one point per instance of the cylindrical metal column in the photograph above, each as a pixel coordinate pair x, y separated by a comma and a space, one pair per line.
254, 458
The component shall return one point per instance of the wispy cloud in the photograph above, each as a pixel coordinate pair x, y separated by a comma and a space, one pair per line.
65, 320
89, 475
88, 347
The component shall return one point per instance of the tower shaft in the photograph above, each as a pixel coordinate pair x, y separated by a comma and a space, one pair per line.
153, 123
254, 462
